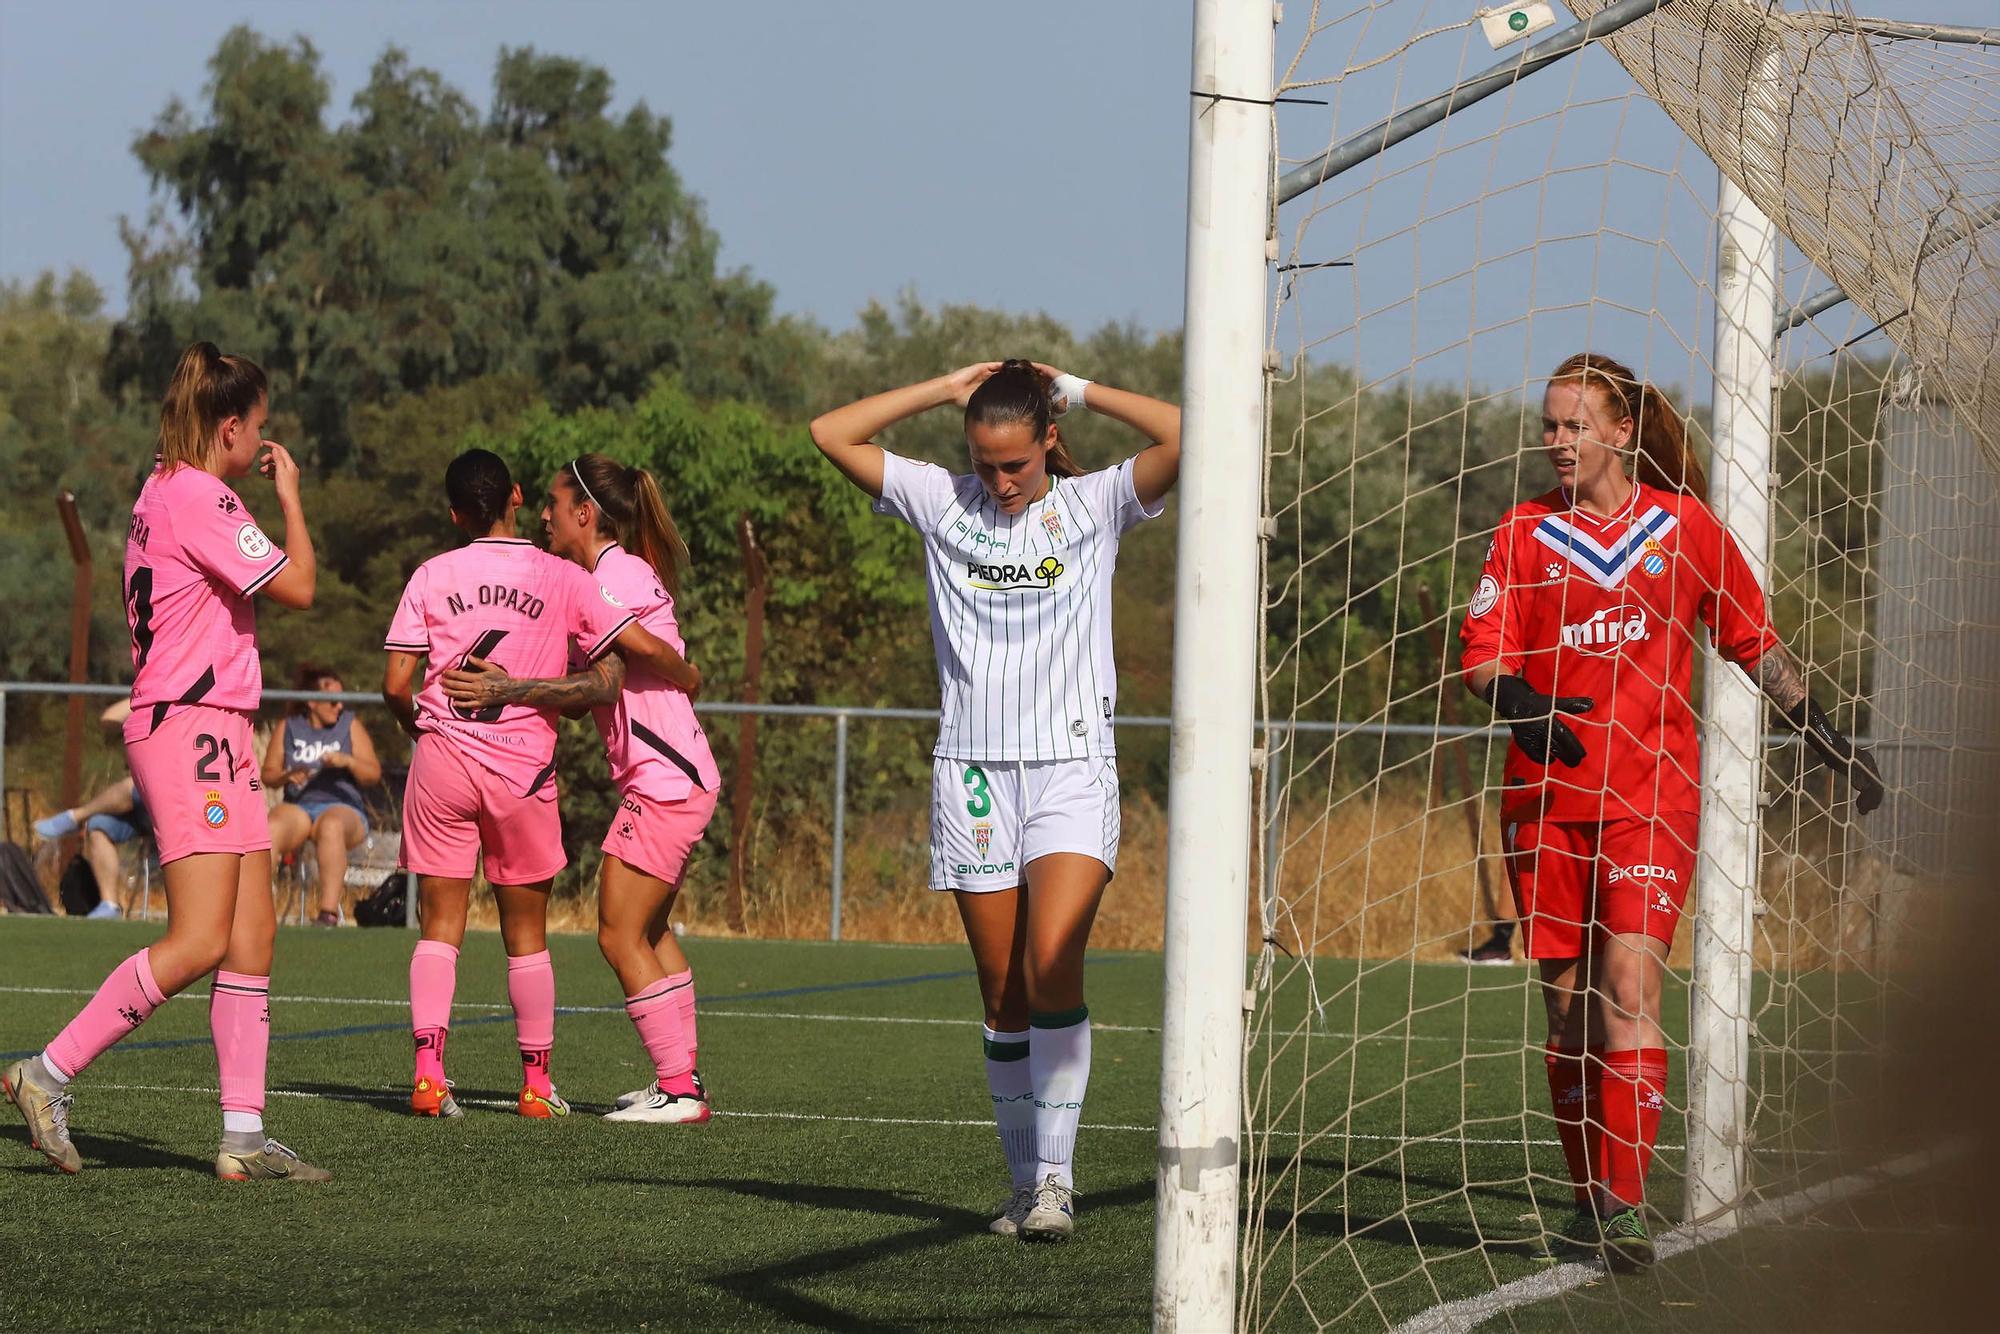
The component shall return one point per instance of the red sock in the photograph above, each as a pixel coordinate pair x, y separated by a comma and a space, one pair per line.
1573, 1094
1635, 1092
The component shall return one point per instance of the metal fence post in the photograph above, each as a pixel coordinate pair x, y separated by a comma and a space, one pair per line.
839, 817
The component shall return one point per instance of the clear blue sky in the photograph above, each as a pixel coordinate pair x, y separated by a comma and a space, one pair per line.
1029, 156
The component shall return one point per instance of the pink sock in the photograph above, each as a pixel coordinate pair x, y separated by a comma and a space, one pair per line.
433, 979
239, 1016
120, 1005
656, 1013
531, 986
683, 994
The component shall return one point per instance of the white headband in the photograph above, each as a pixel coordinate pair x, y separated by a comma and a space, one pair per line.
577, 473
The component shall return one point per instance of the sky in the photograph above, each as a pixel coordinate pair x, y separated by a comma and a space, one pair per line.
1030, 157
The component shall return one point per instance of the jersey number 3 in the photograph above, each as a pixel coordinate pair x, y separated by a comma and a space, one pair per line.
981, 804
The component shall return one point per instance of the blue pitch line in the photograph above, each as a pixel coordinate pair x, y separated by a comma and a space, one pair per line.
362, 1030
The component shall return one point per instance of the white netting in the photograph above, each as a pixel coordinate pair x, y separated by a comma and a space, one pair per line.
1399, 1138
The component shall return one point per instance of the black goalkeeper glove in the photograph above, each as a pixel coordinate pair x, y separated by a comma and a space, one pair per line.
1531, 716
1841, 755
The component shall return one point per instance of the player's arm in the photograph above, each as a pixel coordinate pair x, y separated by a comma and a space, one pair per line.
638, 645
397, 691
482, 684
1777, 674
1155, 468
1490, 635
292, 586
847, 435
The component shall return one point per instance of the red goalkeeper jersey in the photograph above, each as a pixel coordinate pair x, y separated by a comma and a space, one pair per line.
1577, 604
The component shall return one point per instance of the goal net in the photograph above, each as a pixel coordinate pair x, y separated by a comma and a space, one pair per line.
1399, 1149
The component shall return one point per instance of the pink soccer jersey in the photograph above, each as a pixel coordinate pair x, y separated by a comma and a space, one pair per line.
193, 560
654, 742
508, 601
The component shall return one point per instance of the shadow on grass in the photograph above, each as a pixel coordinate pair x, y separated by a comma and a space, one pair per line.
396, 1102
115, 1152
769, 1286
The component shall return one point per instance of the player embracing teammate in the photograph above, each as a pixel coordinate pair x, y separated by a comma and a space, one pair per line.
1024, 787
1581, 634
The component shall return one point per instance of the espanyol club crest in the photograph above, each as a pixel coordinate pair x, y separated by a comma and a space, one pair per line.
213, 813
1052, 523
982, 836
1655, 562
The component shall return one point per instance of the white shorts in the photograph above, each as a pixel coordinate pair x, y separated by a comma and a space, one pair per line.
990, 818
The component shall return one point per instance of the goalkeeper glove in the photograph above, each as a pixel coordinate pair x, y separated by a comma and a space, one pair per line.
1531, 716
1841, 755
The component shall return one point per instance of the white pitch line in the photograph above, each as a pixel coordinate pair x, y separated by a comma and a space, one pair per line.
1468, 1313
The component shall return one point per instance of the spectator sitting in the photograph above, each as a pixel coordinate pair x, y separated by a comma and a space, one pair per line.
324, 757
115, 815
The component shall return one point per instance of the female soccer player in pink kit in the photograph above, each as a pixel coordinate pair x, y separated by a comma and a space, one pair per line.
482, 780
612, 521
193, 560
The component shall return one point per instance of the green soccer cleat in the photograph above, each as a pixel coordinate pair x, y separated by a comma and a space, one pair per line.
1628, 1246
273, 1162
47, 1113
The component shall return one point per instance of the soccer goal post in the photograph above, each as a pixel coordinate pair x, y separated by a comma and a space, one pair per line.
1401, 217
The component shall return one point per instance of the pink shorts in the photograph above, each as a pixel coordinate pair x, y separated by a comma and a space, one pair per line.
655, 837
454, 808
198, 774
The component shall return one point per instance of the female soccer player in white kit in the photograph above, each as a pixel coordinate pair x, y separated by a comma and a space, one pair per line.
1024, 784
194, 560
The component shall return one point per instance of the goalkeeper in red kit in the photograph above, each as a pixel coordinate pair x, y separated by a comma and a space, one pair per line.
1581, 635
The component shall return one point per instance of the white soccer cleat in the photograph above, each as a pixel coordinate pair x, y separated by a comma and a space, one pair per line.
636, 1095
1052, 1215
662, 1108
1007, 1223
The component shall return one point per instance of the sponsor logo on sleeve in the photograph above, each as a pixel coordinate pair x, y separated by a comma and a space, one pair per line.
1486, 596
250, 540
609, 597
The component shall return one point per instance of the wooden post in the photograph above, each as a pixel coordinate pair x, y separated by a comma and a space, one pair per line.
744, 788
79, 648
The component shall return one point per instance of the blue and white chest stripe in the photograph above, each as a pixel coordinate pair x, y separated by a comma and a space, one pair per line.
1606, 566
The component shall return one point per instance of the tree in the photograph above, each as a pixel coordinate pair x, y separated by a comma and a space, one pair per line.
419, 245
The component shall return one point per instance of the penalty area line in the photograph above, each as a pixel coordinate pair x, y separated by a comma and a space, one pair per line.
1470, 1312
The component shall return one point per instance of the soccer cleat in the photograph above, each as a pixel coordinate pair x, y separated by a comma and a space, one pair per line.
1007, 1220
1628, 1246
542, 1107
640, 1094
328, 918
1496, 950
1578, 1235
432, 1097
273, 1162
1051, 1213
663, 1108
47, 1113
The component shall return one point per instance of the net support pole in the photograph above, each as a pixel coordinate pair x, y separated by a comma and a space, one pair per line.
1214, 667
1732, 732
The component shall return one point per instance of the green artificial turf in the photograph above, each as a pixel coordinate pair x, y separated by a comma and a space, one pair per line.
845, 1182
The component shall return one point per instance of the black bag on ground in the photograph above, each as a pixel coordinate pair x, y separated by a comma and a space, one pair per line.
385, 905
20, 887
77, 890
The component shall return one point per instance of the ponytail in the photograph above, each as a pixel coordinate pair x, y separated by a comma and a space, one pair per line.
207, 389
1017, 393
632, 512
1659, 431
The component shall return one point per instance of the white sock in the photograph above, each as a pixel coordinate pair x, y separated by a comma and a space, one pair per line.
1059, 1061
1010, 1080
52, 1075
242, 1123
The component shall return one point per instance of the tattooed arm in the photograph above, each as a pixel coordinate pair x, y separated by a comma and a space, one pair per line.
1779, 677
482, 684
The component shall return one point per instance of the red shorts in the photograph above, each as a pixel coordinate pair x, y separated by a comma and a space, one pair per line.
197, 773
655, 836
454, 808
1576, 883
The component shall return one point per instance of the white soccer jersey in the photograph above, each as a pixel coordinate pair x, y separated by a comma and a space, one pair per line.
1020, 608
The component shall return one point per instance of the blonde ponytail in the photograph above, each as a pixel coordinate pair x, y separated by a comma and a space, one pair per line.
207, 389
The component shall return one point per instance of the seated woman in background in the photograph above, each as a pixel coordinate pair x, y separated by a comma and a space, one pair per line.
324, 757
